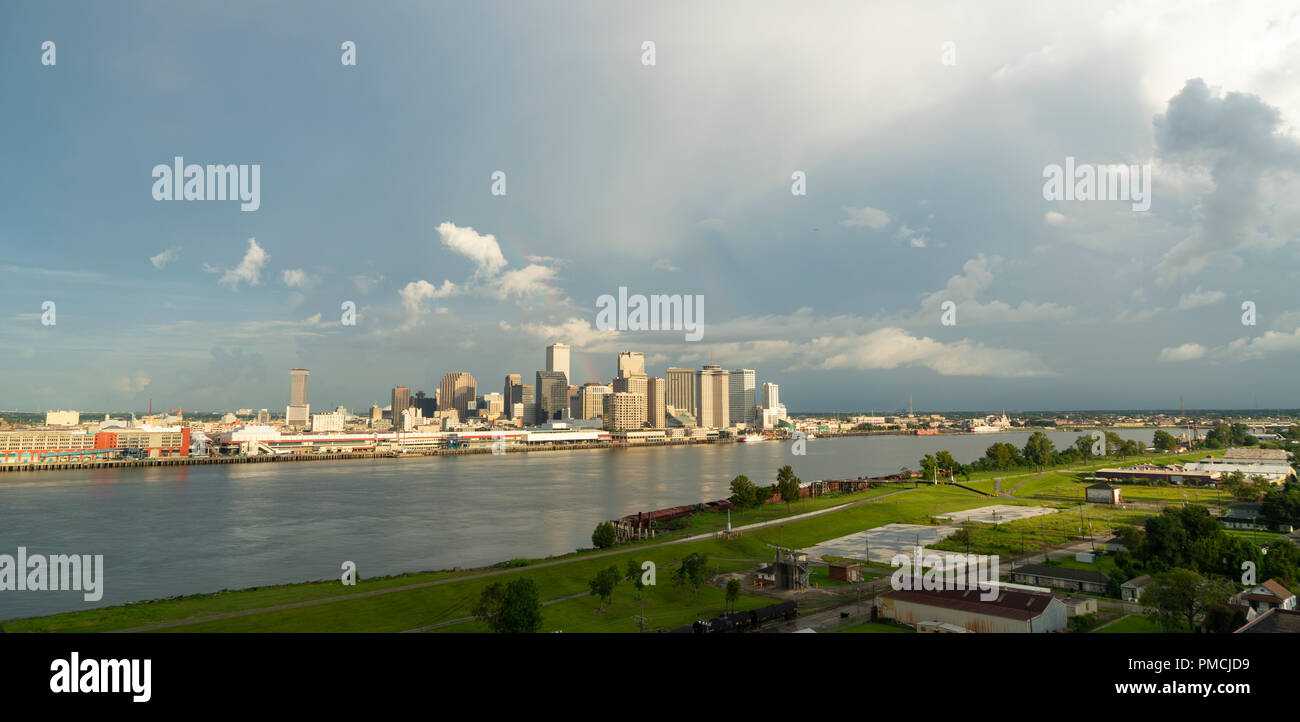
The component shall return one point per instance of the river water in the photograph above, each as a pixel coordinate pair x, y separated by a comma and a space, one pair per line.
185, 530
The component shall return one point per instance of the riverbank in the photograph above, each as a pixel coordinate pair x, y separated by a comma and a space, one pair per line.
339, 456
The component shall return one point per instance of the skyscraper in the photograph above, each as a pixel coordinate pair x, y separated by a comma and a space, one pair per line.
681, 389
557, 359
634, 384
593, 400
631, 363
741, 399
712, 397
401, 402
771, 395
458, 391
508, 394
297, 414
625, 411
656, 413
552, 396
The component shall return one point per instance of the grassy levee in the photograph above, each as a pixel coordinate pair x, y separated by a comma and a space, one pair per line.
452, 600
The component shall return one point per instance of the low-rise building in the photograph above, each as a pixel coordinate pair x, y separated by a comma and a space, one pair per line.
1079, 580
1269, 595
1010, 611
1131, 591
1103, 493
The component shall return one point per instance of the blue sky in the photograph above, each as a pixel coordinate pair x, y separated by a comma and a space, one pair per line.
924, 184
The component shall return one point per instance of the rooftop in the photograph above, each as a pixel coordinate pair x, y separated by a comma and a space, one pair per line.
1074, 575
1009, 604
1274, 621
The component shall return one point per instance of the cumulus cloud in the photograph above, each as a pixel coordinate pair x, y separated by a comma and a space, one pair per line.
1199, 298
249, 269
1241, 138
1186, 352
527, 282
892, 347
574, 331
1271, 342
483, 250
415, 292
964, 289
915, 237
297, 278
131, 384
162, 259
865, 217
1052, 218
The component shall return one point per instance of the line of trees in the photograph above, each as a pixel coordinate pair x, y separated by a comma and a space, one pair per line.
745, 494
1039, 452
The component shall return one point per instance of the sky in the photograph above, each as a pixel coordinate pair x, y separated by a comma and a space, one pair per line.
921, 134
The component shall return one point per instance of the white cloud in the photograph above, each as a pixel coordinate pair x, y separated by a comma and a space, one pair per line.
167, 256
890, 348
1052, 218
1271, 342
131, 385
297, 278
483, 250
864, 217
525, 282
663, 265
575, 331
1186, 352
414, 293
249, 269
1199, 298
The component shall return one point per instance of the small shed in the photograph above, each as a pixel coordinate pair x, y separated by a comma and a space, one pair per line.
1103, 493
846, 571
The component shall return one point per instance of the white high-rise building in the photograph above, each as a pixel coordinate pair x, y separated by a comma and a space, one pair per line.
771, 395
712, 397
631, 363
298, 413
741, 400
557, 359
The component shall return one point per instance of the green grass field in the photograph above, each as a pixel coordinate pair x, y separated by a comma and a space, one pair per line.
876, 628
1133, 624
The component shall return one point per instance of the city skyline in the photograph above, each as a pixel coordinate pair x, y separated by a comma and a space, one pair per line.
921, 160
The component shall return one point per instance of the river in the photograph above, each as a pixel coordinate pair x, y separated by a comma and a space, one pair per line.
187, 529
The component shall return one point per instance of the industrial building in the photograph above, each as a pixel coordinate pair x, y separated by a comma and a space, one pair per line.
1011, 611
1079, 580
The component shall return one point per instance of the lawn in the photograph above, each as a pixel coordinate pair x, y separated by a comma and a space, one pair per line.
1027, 536
876, 628
1134, 624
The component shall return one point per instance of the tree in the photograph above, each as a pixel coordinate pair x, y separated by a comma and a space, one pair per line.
513, 608
1084, 444
1181, 596
634, 574
691, 572
1164, 441
787, 485
929, 467
1114, 443
743, 492
733, 593
1038, 450
604, 536
1281, 507
947, 464
602, 585
763, 493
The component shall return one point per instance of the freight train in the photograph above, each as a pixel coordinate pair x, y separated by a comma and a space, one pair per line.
741, 621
